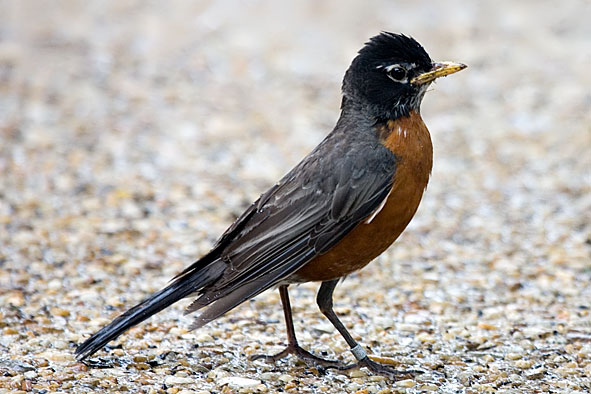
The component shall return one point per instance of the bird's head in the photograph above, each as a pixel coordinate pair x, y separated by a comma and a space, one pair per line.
390, 75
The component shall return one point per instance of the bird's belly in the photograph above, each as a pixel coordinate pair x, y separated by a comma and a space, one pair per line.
369, 239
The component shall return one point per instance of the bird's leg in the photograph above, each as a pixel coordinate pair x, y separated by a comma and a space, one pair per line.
324, 300
293, 347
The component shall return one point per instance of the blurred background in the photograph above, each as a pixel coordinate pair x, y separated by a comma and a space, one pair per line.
132, 134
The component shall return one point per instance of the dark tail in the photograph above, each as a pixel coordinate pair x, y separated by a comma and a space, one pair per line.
182, 287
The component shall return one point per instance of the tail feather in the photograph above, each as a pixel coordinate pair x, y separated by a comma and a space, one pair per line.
180, 288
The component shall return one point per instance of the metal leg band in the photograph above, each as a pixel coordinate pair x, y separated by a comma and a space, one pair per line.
359, 352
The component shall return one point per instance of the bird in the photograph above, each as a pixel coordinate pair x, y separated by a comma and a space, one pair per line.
343, 205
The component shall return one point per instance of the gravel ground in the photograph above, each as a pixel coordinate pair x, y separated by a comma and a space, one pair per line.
132, 133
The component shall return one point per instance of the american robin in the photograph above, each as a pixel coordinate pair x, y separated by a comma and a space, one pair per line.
337, 210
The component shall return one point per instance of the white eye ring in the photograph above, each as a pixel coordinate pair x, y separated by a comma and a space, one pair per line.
397, 73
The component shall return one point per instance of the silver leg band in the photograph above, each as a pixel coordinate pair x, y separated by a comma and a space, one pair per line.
359, 352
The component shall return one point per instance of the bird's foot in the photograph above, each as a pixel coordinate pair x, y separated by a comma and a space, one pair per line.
300, 353
380, 369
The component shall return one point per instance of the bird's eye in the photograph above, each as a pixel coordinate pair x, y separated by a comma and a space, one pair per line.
397, 73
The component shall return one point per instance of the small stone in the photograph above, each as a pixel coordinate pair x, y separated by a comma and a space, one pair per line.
30, 375
559, 359
201, 338
536, 373
564, 372
16, 298
425, 337
486, 326
56, 356
60, 312
487, 358
174, 380
140, 359
178, 331
406, 383
238, 382
26, 385
428, 387
524, 364
61, 345
357, 373
286, 378
269, 376
39, 363
571, 364
513, 356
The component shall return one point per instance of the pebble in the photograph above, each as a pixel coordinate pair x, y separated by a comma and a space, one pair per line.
535, 373
61, 345
30, 375
427, 387
56, 356
513, 356
238, 382
425, 337
524, 364
269, 376
140, 359
406, 383
357, 373
175, 380
486, 326
60, 312
286, 378
202, 338
487, 358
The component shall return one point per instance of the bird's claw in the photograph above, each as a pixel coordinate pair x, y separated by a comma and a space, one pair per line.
301, 354
380, 369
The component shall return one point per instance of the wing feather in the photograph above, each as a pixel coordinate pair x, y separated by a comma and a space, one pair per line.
311, 209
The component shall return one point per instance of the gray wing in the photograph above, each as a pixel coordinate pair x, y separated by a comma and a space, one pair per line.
311, 209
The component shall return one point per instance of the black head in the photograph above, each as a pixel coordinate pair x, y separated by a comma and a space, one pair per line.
382, 78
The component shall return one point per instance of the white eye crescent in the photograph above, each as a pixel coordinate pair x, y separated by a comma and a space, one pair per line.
396, 72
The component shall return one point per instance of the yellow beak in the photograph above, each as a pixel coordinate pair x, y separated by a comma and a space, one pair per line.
438, 70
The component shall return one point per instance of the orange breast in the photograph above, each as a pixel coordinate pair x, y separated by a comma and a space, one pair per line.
409, 139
